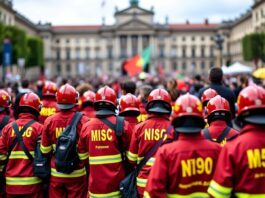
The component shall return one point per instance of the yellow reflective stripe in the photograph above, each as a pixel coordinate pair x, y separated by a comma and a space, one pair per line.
75, 173
107, 159
150, 162
54, 147
23, 181
20, 155
116, 194
132, 156
245, 195
45, 149
3, 157
2, 168
141, 182
146, 195
217, 190
192, 195
83, 156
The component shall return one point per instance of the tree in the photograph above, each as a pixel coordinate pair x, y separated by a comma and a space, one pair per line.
254, 47
35, 52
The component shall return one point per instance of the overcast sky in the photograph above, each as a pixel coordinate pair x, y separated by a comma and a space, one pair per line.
76, 12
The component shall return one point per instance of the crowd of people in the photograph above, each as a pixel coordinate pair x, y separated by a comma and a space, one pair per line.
164, 137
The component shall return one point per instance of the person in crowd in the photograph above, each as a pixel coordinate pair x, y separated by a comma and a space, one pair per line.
144, 92
87, 104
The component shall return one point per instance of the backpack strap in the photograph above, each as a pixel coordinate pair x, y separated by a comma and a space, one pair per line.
223, 134
207, 134
152, 151
19, 137
3, 123
76, 118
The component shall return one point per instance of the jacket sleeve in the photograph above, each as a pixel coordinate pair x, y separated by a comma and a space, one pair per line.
46, 142
132, 154
222, 182
157, 180
82, 145
3, 148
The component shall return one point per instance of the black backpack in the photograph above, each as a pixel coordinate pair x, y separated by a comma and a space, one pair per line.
4, 122
66, 156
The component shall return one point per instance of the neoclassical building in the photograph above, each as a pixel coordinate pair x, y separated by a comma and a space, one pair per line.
101, 49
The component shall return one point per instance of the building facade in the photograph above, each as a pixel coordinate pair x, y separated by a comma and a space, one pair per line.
101, 49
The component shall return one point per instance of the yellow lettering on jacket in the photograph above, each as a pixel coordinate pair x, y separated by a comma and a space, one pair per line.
196, 166
153, 134
256, 158
27, 133
47, 111
58, 131
101, 135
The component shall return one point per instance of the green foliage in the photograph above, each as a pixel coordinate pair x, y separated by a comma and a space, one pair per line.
30, 48
35, 51
254, 47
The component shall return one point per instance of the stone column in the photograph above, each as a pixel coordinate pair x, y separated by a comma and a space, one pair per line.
129, 46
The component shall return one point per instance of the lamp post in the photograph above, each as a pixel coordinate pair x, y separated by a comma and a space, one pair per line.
219, 40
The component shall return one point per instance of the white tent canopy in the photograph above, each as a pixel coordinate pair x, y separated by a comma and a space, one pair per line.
237, 68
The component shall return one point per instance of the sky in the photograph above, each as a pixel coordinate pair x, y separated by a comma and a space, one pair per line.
86, 12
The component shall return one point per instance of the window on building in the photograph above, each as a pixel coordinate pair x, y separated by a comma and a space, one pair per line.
87, 53
174, 38
174, 51
161, 51
58, 68
262, 13
257, 16
212, 51
183, 38
211, 64
174, 66
110, 66
58, 54
123, 46
67, 41
68, 54
77, 40
193, 52
57, 41
193, 64
202, 51
68, 68
202, 65
134, 45
184, 66
146, 41
193, 38
87, 40
184, 52
78, 53
110, 52
97, 53
212, 38
161, 38
202, 38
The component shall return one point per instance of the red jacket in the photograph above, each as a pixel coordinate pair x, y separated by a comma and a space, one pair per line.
217, 127
99, 144
183, 168
132, 121
145, 136
241, 167
53, 127
89, 112
19, 169
49, 108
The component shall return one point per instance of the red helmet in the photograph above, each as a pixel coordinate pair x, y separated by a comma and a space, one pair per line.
105, 98
251, 105
67, 97
30, 100
217, 105
5, 100
207, 95
129, 103
188, 106
88, 96
159, 101
49, 89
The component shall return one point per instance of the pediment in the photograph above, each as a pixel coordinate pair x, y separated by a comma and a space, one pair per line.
135, 24
135, 10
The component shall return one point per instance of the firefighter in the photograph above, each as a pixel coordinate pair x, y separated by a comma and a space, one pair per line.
129, 109
100, 144
144, 92
240, 170
20, 180
49, 107
62, 185
184, 168
218, 115
87, 104
147, 133
5, 103
207, 95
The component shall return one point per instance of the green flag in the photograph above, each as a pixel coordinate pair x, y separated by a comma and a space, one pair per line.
146, 56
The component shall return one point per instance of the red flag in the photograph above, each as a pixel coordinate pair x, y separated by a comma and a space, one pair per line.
134, 66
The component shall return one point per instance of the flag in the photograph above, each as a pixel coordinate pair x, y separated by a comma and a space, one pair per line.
138, 63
